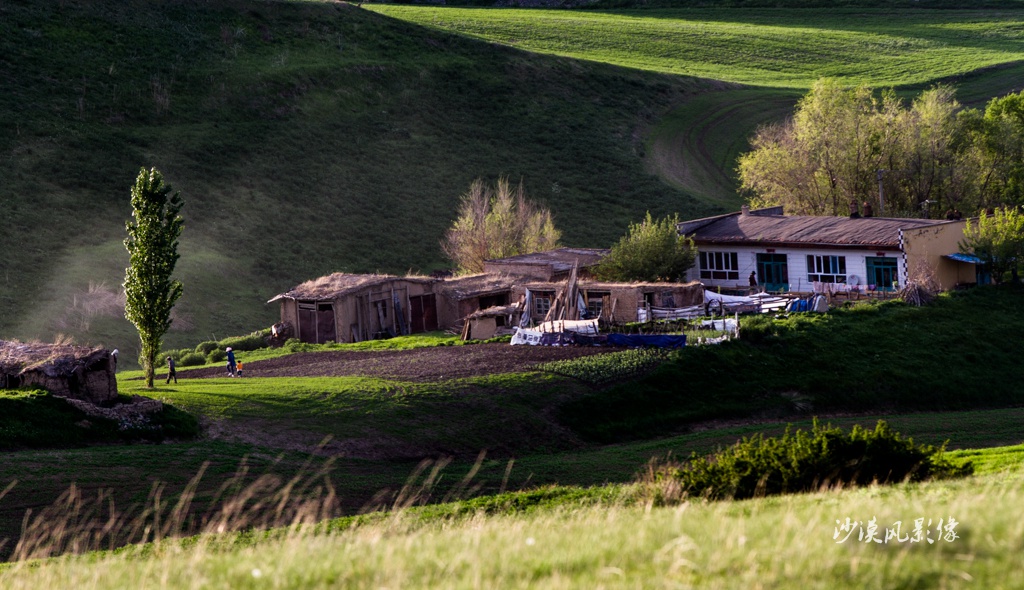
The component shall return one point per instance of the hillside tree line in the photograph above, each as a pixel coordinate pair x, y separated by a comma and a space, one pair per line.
844, 147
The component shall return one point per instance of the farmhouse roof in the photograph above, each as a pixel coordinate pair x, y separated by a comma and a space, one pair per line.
585, 285
559, 260
476, 285
774, 228
339, 284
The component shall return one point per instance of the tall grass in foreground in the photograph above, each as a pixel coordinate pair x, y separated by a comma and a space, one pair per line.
786, 541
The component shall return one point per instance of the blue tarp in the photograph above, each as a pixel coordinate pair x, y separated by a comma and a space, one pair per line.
646, 340
970, 258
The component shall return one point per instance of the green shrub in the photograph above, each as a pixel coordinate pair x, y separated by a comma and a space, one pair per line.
296, 345
217, 355
192, 359
758, 328
207, 347
807, 461
253, 341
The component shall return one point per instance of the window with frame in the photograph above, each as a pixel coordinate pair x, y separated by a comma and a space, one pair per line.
542, 303
719, 265
826, 269
595, 304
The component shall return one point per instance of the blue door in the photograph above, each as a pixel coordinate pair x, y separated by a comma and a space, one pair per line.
773, 272
882, 273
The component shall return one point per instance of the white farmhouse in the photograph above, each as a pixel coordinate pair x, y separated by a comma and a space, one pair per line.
804, 253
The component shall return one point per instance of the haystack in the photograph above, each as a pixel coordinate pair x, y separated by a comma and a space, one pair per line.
75, 372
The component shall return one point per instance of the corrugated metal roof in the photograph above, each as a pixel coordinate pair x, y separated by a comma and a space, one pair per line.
959, 257
807, 230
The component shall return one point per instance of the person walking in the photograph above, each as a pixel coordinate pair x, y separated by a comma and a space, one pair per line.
171, 373
239, 372
232, 366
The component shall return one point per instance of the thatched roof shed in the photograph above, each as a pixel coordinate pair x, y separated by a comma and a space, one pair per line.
76, 372
550, 265
339, 284
478, 285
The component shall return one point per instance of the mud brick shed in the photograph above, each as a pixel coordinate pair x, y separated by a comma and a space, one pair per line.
75, 372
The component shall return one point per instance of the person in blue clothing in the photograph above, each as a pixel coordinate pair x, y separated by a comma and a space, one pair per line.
232, 367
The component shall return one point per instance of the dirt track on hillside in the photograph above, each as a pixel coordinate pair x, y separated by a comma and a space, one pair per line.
439, 363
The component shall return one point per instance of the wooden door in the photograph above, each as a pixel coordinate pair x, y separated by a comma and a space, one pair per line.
307, 322
423, 311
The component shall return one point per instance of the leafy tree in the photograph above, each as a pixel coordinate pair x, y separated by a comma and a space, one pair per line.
496, 223
1000, 149
998, 239
652, 250
827, 155
930, 157
152, 244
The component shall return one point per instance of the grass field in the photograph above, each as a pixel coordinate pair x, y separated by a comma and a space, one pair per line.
612, 542
767, 48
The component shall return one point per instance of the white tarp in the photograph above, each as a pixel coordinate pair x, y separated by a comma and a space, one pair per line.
669, 313
726, 324
712, 296
588, 327
763, 302
524, 336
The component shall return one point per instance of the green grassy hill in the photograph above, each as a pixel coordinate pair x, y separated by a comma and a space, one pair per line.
311, 137
306, 137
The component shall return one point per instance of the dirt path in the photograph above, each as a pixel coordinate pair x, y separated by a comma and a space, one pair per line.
438, 363
681, 151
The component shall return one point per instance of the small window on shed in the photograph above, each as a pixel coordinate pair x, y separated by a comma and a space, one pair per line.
542, 303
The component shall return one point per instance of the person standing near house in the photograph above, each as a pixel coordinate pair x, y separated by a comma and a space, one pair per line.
753, 278
171, 373
232, 366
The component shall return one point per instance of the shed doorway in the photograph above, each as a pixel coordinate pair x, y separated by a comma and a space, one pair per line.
423, 310
316, 323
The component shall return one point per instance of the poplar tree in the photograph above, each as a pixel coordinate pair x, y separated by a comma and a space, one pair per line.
152, 243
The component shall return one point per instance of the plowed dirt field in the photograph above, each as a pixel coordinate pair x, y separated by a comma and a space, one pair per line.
421, 364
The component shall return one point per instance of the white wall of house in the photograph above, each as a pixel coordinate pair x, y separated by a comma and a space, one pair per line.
723, 273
